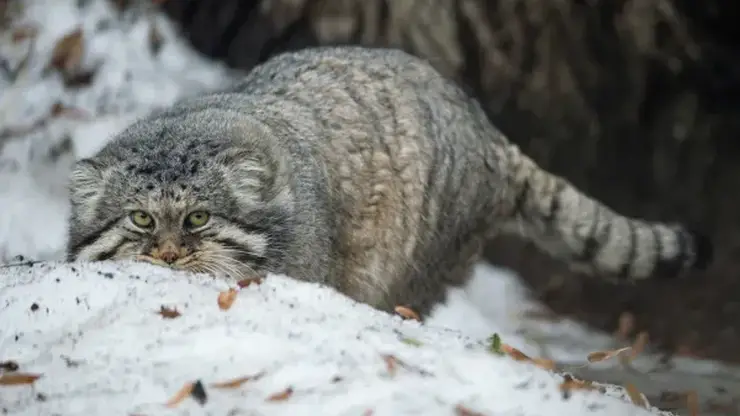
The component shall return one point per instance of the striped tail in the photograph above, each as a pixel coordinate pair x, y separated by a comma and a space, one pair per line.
588, 235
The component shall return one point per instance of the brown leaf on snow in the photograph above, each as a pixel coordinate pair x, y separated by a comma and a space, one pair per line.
68, 51
599, 356
391, 364
168, 313
570, 384
514, 353
248, 282
461, 410
281, 396
517, 355
236, 382
194, 390
17, 379
181, 395
635, 395
226, 299
407, 313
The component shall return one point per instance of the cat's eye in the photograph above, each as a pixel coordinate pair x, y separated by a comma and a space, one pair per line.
197, 219
141, 219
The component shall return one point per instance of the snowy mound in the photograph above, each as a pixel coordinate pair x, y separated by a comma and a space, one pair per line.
97, 335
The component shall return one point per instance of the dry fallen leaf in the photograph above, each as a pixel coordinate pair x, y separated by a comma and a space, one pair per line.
544, 363
571, 384
16, 379
407, 313
461, 410
514, 353
236, 382
599, 356
181, 395
168, 313
517, 355
248, 282
391, 364
68, 51
226, 299
281, 396
635, 395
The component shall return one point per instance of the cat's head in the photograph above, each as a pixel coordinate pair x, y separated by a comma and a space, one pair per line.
203, 191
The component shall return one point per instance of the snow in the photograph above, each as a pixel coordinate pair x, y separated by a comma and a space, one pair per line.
101, 347
102, 317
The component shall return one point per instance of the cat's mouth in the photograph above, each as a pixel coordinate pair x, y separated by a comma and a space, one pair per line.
205, 262
180, 264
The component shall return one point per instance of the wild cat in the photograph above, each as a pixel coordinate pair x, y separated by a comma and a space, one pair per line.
361, 169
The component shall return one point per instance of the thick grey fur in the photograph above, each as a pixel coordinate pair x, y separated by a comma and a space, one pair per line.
363, 169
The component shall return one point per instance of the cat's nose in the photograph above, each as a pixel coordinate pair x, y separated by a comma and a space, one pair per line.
169, 257
167, 252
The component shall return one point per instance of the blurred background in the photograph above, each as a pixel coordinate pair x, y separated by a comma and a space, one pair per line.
635, 101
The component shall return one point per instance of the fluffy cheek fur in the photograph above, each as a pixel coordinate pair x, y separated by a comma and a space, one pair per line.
223, 249
228, 250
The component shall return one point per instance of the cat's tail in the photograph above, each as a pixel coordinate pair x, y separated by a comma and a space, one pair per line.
573, 227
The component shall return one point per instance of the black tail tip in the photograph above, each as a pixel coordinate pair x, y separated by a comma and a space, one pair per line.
703, 250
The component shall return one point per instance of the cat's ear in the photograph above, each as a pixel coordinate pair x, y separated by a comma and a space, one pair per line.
254, 176
86, 185
256, 167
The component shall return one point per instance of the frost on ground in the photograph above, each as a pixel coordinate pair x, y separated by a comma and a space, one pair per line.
72, 73
94, 332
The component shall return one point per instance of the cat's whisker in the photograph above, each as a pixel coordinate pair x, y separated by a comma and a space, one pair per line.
218, 263
231, 266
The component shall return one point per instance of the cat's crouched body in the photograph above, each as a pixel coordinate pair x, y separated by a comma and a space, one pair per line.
359, 168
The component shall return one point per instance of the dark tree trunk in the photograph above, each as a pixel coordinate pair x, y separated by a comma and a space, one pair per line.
636, 102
